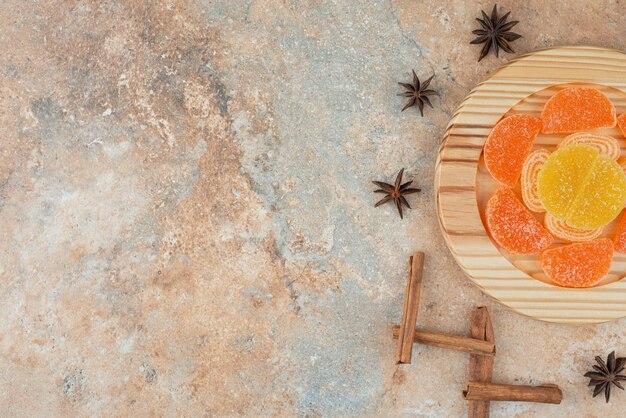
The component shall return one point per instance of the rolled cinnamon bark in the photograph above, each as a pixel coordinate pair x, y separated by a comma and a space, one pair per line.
452, 342
410, 309
481, 367
482, 391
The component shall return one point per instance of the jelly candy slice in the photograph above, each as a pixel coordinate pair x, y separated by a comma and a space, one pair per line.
513, 227
621, 121
581, 187
581, 264
619, 239
562, 176
602, 196
604, 144
528, 181
562, 231
508, 145
577, 109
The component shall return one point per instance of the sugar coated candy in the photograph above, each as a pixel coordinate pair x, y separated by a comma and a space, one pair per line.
528, 180
602, 196
562, 175
577, 109
564, 232
605, 144
581, 187
512, 226
508, 145
581, 264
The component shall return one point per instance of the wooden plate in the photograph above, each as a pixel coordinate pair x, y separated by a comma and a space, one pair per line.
462, 184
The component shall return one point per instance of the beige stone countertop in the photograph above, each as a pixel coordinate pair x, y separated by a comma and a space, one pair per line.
187, 216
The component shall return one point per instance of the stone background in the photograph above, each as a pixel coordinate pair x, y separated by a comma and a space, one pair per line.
187, 217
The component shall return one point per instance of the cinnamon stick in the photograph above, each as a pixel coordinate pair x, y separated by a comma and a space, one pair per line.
482, 391
481, 367
406, 331
452, 342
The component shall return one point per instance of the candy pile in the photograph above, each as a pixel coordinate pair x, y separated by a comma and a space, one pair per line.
581, 186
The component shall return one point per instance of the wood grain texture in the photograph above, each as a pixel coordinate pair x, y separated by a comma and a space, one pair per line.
462, 184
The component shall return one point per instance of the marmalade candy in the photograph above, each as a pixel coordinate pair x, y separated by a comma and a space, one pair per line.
513, 227
564, 232
508, 145
577, 109
581, 187
582, 264
561, 177
603, 143
601, 198
528, 180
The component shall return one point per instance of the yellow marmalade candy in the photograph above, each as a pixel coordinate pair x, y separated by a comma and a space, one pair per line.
562, 176
582, 187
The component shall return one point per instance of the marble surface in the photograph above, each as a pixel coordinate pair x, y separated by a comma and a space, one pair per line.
187, 217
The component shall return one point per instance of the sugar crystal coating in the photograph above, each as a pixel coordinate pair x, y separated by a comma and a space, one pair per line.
562, 176
528, 180
605, 144
508, 145
581, 264
577, 109
513, 227
564, 232
579, 186
602, 196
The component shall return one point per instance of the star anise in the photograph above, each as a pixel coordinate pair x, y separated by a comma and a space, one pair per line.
418, 93
605, 374
495, 33
395, 192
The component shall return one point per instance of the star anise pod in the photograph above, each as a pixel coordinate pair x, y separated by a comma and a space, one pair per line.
495, 33
418, 93
606, 374
395, 192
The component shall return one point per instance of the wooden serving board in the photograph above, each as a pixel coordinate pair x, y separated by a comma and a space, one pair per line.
462, 184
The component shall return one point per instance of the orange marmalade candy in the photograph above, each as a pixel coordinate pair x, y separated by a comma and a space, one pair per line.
619, 240
562, 231
508, 145
581, 264
621, 121
512, 226
606, 145
577, 109
581, 187
528, 181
